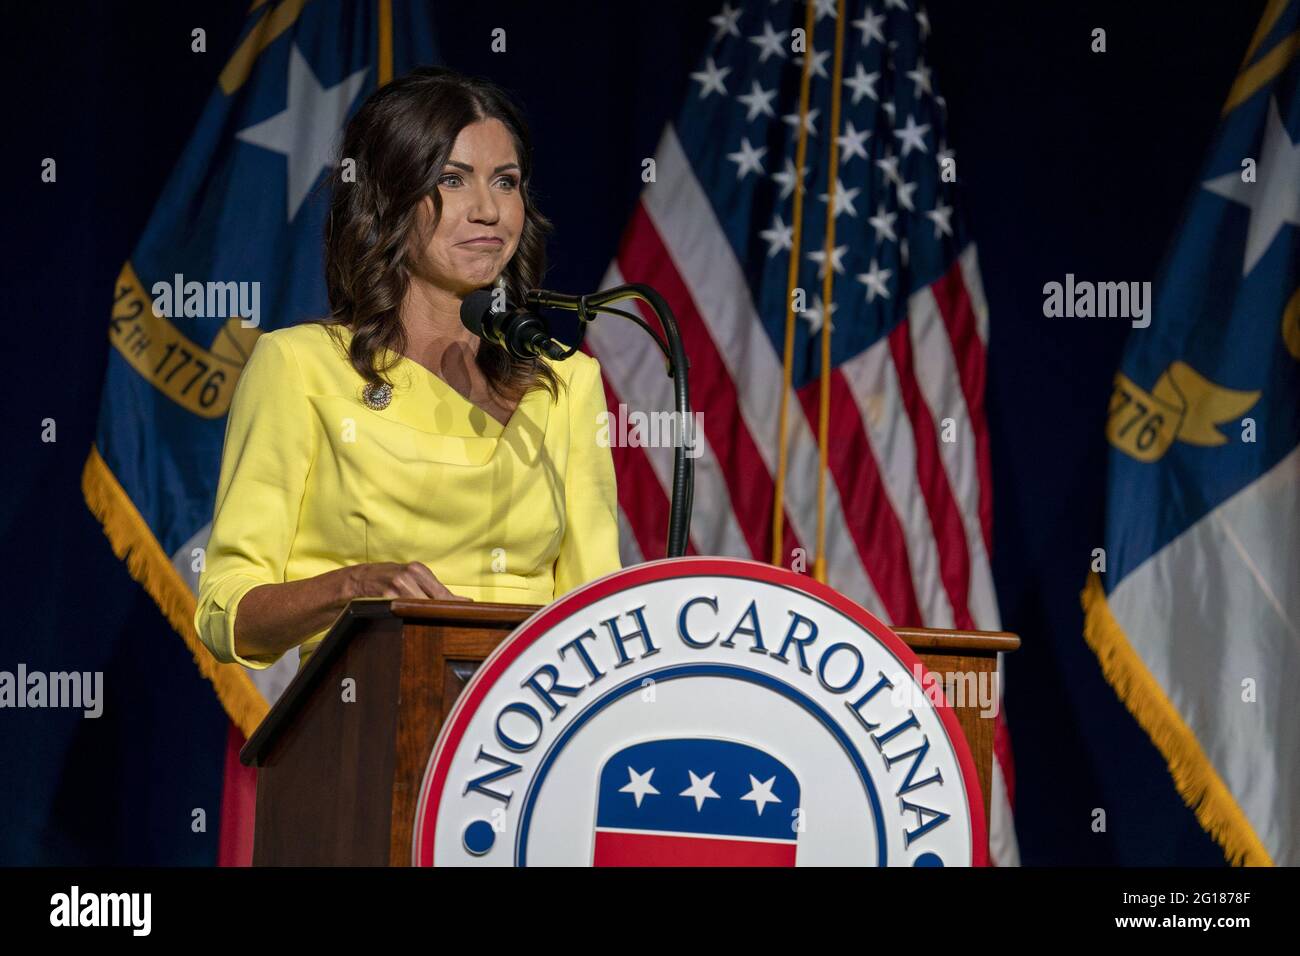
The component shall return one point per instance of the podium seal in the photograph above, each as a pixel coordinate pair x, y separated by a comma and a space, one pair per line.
700, 712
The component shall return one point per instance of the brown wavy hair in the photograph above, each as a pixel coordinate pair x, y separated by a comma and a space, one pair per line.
400, 140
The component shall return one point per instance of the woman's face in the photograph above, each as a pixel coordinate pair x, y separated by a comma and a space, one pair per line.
482, 212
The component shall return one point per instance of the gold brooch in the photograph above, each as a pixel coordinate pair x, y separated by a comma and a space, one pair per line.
377, 397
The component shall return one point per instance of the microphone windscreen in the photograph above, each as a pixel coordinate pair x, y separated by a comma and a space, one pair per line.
473, 308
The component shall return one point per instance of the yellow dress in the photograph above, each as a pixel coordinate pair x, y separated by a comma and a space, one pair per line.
312, 479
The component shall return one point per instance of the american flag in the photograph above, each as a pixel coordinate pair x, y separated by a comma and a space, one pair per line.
727, 207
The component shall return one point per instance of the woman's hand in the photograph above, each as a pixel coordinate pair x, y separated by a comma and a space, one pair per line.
393, 580
275, 617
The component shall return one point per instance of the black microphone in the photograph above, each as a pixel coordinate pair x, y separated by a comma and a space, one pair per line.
522, 334
545, 299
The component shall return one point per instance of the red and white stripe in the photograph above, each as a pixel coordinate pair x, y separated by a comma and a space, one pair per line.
909, 514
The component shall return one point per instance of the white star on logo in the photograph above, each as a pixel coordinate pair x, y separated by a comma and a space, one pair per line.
308, 127
710, 78
638, 785
1274, 200
700, 789
761, 793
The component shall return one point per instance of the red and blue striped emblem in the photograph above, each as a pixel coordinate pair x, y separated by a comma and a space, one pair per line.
696, 802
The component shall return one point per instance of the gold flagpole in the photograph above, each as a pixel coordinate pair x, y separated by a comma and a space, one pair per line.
792, 280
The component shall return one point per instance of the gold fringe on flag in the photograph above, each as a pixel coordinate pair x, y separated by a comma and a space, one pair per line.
1197, 780
134, 543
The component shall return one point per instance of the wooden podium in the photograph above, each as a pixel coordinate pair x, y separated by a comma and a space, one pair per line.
338, 779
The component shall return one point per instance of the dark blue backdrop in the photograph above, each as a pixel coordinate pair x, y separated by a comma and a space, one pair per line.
1071, 162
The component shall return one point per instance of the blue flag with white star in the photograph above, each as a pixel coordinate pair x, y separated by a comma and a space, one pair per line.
1193, 605
233, 249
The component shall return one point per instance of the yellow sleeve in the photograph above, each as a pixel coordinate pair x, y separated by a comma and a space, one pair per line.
268, 451
590, 546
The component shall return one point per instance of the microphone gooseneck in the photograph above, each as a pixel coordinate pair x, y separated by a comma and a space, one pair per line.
587, 307
523, 334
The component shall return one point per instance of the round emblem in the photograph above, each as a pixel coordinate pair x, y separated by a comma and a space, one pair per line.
700, 711
377, 396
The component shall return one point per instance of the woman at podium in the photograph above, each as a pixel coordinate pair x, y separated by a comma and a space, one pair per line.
386, 451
